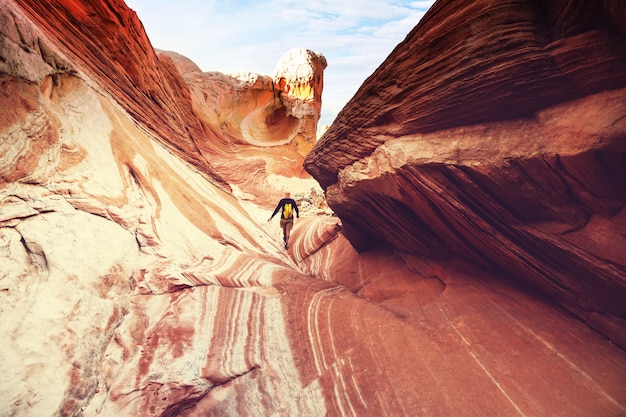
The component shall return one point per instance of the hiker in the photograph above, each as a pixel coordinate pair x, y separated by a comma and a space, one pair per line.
287, 206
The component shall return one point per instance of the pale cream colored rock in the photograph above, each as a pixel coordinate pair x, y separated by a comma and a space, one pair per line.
65, 287
299, 74
593, 121
105, 215
25, 54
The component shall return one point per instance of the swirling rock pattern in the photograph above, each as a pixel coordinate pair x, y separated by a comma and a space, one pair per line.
452, 338
207, 119
496, 132
261, 126
134, 284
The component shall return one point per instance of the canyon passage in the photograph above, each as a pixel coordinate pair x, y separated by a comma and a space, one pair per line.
459, 249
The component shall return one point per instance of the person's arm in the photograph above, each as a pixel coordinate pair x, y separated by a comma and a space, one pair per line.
280, 203
295, 206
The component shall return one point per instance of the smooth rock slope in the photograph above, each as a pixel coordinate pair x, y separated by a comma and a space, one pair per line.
497, 132
134, 283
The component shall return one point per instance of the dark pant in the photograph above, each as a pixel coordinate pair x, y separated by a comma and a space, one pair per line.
286, 224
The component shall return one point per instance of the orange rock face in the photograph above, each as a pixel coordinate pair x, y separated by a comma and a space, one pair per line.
452, 338
107, 40
496, 132
263, 126
133, 282
175, 101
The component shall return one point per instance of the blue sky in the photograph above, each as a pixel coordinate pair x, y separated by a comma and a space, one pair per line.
355, 36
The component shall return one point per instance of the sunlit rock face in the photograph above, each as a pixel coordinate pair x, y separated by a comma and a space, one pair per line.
262, 126
107, 40
133, 283
496, 132
299, 77
127, 274
208, 119
450, 333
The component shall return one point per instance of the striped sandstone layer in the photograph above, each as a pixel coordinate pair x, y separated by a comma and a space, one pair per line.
133, 283
495, 131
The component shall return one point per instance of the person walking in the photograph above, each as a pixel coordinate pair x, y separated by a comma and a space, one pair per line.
287, 206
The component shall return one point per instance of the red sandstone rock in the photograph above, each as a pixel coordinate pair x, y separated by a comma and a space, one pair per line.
263, 126
496, 132
460, 330
106, 40
134, 285
467, 63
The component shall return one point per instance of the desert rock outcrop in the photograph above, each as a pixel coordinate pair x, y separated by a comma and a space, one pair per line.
207, 127
263, 126
133, 281
496, 132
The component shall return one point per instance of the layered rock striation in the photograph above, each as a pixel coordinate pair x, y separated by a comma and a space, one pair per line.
134, 283
262, 126
207, 119
124, 253
496, 132
455, 338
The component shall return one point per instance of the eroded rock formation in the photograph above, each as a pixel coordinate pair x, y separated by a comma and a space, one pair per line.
262, 126
208, 119
134, 283
455, 338
496, 132
299, 78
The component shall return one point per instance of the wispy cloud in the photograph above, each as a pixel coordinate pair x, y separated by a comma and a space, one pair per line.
355, 36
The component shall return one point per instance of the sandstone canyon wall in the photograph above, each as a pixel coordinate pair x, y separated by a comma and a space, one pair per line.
261, 126
496, 132
134, 283
205, 118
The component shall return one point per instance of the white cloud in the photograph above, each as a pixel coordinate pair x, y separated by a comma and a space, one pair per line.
355, 36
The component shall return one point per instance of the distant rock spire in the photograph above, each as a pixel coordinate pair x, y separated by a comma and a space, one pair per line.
299, 75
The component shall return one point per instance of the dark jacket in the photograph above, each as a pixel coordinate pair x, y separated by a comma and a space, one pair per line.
288, 206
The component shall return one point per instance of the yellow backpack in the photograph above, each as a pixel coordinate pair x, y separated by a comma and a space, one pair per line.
287, 211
